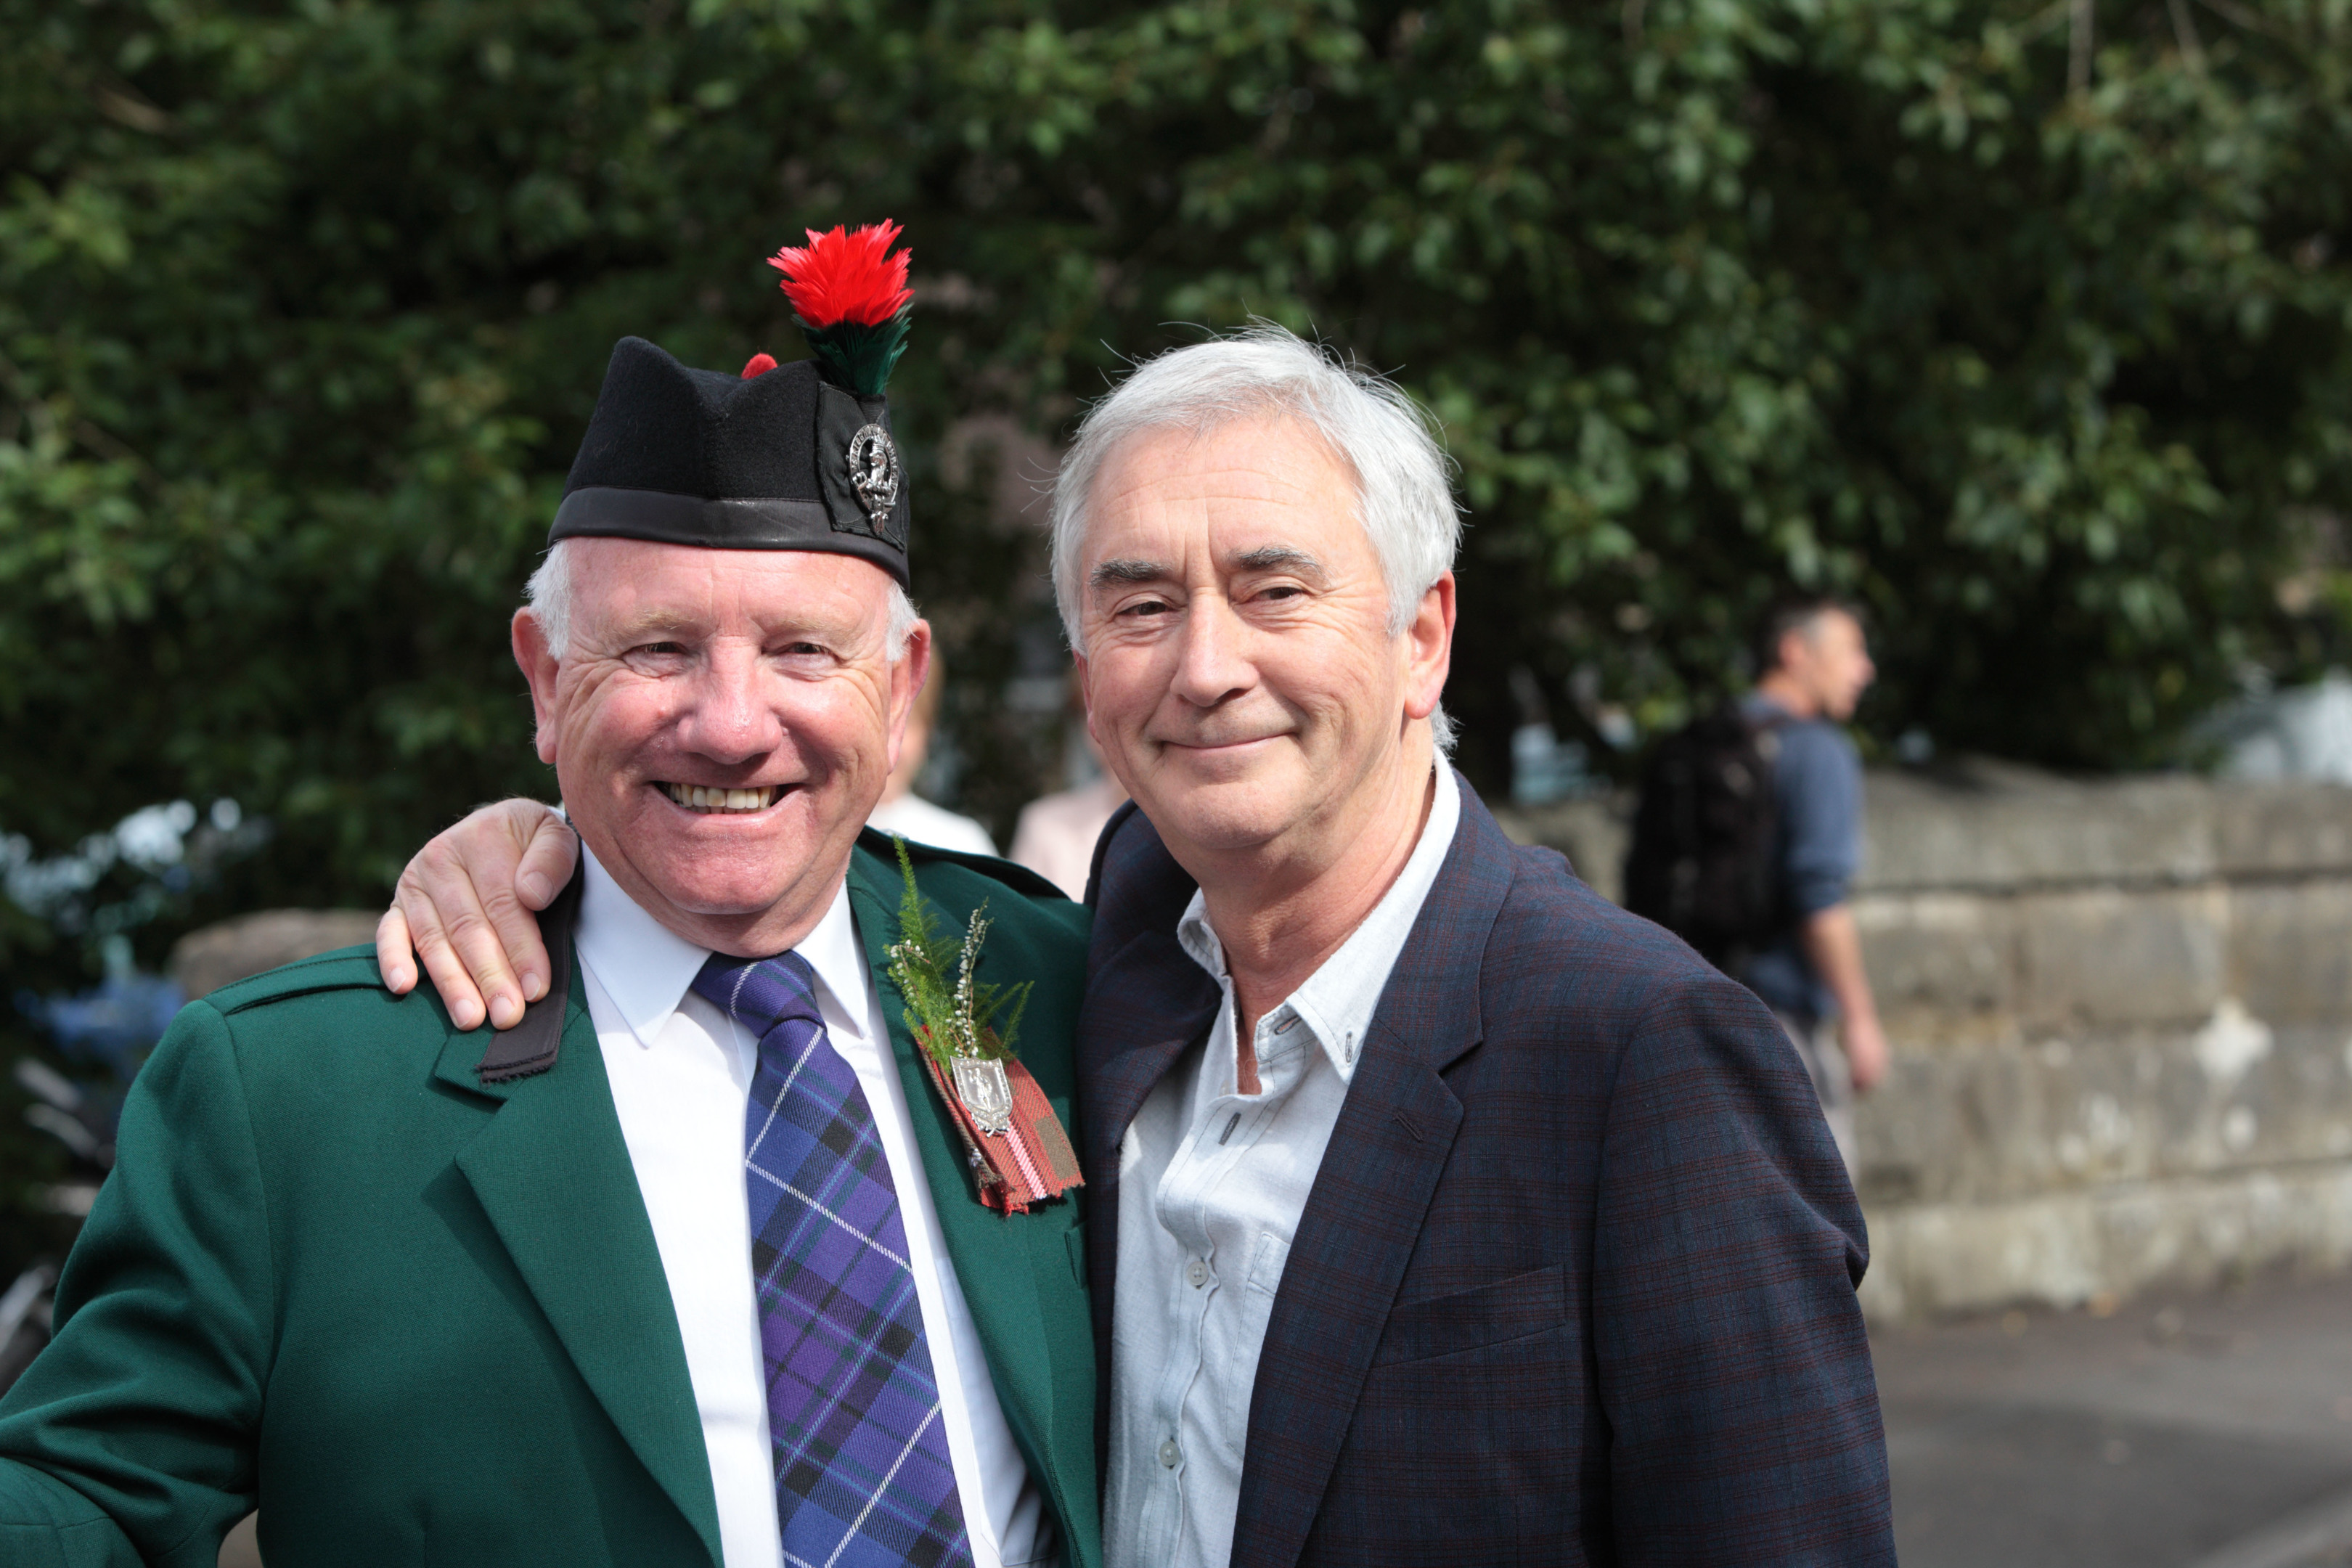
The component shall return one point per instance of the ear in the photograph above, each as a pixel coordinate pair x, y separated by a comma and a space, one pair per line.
1087, 698
1795, 649
907, 678
1428, 649
538, 667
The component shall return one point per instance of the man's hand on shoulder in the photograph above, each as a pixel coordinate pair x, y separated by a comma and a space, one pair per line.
466, 907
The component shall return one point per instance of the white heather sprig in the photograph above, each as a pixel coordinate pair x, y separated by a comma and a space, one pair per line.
958, 1021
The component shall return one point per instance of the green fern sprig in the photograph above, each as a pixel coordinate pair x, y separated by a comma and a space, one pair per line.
952, 1017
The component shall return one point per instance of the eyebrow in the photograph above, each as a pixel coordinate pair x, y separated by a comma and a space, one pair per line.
1113, 572
1275, 557
1265, 558
657, 620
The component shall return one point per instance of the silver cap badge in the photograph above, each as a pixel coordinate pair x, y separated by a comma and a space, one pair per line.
873, 472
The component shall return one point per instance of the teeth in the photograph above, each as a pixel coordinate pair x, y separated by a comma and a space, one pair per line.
704, 797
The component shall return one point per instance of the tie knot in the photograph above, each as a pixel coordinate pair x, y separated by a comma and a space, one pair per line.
760, 992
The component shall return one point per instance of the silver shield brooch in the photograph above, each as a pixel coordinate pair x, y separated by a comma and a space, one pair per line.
873, 472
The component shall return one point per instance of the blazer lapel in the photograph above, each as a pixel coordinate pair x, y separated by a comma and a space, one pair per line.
553, 1176
1363, 1217
999, 1259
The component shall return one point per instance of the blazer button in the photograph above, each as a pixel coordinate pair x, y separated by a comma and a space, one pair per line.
1169, 1454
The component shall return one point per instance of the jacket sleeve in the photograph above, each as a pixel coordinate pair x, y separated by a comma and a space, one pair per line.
1733, 1365
131, 1437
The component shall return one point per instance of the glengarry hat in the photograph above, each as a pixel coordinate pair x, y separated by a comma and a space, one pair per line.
794, 456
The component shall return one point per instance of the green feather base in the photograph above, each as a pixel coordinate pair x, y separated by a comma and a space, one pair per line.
857, 358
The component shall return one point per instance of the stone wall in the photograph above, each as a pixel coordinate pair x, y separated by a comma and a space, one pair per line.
216, 955
2122, 1021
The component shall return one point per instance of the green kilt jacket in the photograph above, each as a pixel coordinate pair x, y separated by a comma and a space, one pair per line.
418, 1319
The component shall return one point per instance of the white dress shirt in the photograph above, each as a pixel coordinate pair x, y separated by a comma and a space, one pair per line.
681, 1074
917, 820
1211, 1184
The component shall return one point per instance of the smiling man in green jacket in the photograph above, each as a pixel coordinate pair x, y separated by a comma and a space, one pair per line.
691, 1265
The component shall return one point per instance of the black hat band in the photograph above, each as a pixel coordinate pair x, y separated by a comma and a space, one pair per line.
732, 522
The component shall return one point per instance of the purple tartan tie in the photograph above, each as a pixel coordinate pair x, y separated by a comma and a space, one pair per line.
863, 1477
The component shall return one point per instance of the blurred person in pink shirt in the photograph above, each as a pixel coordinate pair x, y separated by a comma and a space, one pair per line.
911, 817
1056, 833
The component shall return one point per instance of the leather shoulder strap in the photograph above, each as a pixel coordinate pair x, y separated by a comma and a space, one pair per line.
531, 1046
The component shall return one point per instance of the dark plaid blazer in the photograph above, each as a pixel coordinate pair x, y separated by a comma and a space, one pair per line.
1576, 1281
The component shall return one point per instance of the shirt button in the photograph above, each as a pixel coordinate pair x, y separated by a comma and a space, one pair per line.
1169, 1454
1197, 1272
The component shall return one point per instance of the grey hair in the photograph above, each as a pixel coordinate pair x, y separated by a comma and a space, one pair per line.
1403, 496
549, 595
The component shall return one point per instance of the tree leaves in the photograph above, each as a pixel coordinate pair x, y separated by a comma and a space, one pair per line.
302, 310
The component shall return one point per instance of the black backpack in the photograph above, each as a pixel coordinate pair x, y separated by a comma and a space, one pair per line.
1704, 835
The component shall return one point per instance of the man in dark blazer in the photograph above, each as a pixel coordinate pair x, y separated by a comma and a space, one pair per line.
1441, 1213
1523, 1221
1575, 1283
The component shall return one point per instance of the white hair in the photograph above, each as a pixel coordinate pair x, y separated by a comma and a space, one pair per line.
549, 595
1388, 442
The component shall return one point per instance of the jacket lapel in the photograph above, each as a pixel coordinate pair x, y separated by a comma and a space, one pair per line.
1363, 1217
999, 1259
553, 1176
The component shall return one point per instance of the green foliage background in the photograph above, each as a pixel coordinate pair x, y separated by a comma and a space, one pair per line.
2033, 338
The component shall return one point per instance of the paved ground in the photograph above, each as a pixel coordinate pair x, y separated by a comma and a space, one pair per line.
2185, 1432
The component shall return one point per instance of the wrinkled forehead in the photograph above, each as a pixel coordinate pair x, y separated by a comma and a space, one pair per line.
1243, 472
634, 583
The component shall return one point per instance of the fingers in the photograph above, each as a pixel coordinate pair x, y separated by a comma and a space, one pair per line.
547, 860
467, 905
454, 939
393, 952
498, 847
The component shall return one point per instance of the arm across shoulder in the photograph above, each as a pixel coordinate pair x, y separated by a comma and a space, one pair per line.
465, 908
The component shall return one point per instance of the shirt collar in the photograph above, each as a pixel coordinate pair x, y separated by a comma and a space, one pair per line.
1338, 1001
645, 967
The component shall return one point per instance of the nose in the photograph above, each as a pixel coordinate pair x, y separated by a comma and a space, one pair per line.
728, 717
1211, 666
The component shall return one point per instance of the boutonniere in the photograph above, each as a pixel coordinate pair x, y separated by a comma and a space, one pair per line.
1015, 1145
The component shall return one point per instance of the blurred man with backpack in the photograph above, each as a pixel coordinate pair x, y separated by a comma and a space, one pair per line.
1749, 832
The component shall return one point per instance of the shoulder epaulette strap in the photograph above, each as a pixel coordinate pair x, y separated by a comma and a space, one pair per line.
1020, 879
344, 969
531, 1044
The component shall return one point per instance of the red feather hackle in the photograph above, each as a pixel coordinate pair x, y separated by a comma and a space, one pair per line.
847, 275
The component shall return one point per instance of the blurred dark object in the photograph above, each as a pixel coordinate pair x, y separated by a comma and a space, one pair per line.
79, 1116
113, 1024
205, 960
1701, 860
113, 1027
25, 1320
